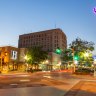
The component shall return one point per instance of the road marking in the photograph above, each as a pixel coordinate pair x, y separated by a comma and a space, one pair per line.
24, 80
24, 75
13, 84
90, 80
47, 76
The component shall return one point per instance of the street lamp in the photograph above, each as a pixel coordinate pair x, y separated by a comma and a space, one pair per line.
86, 54
25, 57
46, 61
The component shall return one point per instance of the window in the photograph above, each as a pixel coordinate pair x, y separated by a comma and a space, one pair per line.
13, 54
55, 45
31, 36
44, 45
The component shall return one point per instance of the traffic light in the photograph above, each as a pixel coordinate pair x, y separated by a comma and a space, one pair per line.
58, 51
76, 58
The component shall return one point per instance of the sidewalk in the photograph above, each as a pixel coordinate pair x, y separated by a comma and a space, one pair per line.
83, 88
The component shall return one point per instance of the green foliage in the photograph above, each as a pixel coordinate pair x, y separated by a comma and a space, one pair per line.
67, 55
81, 45
36, 55
78, 48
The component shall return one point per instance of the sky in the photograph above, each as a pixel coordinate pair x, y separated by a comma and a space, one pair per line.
75, 17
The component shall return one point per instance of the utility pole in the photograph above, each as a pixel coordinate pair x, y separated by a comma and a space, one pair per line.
73, 61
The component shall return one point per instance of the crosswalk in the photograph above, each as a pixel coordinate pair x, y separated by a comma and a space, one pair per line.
74, 90
7, 86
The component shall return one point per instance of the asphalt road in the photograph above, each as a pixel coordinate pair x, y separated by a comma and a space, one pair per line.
34, 79
47, 84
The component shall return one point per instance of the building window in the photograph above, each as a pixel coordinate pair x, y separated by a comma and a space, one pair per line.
31, 36
55, 45
13, 54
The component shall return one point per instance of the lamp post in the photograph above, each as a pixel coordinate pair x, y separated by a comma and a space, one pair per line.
94, 66
26, 58
73, 59
47, 66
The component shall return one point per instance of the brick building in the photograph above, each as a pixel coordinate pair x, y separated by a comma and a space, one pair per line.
8, 56
48, 39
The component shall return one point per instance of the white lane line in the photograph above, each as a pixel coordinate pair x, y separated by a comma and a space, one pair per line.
13, 84
24, 80
90, 80
47, 76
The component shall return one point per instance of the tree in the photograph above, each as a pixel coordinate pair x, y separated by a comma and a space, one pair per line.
80, 48
81, 45
35, 55
67, 55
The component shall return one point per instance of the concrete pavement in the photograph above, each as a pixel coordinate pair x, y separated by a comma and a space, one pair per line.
83, 88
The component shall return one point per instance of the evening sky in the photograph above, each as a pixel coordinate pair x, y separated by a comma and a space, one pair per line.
74, 17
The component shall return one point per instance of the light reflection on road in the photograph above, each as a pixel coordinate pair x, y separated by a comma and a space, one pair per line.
14, 75
47, 76
24, 80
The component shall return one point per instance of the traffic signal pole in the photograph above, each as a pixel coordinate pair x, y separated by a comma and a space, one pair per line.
73, 61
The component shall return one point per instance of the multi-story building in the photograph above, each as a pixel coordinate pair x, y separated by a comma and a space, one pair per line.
48, 39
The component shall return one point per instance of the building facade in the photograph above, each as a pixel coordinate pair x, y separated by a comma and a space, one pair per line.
49, 40
8, 56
